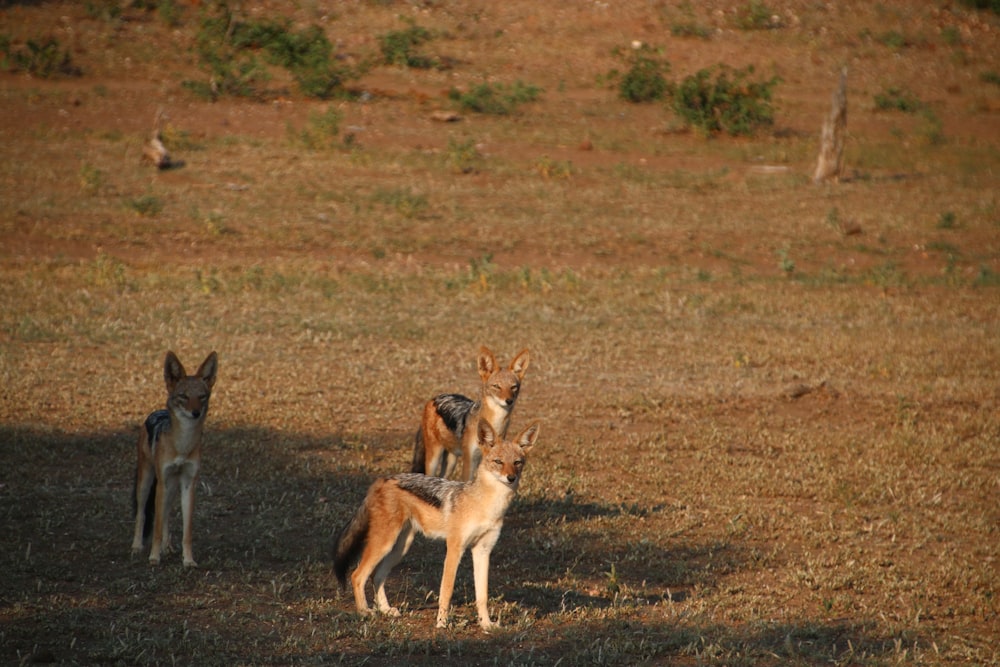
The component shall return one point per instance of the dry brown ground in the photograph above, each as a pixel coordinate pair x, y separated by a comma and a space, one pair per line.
764, 441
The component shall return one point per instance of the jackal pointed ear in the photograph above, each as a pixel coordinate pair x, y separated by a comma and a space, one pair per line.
486, 436
520, 363
486, 362
528, 437
208, 369
173, 371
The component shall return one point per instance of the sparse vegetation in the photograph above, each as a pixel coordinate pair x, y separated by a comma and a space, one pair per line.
321, 130
644, 80
400, 47
496, 99
991, 77
44, 58
757, 15
462, 156
769, 433
898, 99
237, 53
728, 103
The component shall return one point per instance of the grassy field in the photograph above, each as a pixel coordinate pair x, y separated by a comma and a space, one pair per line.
769, 408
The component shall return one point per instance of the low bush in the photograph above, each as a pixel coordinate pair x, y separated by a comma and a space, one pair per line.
495, 99
730, 102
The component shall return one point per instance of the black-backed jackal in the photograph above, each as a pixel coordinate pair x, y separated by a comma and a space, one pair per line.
449, 420
169, 455
466, 515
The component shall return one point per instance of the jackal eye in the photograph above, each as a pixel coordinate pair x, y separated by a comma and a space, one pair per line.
516, 388
519, 463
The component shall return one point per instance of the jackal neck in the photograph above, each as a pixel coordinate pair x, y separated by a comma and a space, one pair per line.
186, 433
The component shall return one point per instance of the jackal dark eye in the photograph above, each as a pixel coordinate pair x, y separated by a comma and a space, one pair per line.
519, 463
516, 388
499, 462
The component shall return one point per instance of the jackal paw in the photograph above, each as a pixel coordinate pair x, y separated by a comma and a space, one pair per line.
487, 625
190, 563
391, 611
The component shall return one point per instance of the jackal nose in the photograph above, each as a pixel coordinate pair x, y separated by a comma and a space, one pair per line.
196, 413
511, 478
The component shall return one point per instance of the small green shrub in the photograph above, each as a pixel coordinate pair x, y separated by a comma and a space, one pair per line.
898, 99
990, 76
730, 103
892, 39
91, 179
947, 220
756, 15
931, 129
462, 156
403, 200
106, 10
548, 168
42, 58
321, 129
690, 29
951, 36
229, 50
644, 81
399, 48
992, 5
496, 99
147, 205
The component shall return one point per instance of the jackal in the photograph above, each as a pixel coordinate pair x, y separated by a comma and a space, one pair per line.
169, 455
449, 420
464, 514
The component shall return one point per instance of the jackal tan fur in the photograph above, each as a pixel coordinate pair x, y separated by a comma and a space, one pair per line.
169, 456
466, 515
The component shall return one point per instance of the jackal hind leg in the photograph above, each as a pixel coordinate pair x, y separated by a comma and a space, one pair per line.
376, 550
391, 560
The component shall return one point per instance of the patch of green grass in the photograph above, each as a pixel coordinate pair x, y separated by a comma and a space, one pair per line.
991, 5
893, 39
496, 99
147, 205
44, 58
462, 156
898, 99
402, 200
549, 168
947, 220
991, 76
228, 47
987, 277
951, 35
92, 179
756, 15
690, 29
400, 47
320, 131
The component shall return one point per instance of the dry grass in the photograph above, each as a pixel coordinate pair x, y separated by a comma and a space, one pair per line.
765, 440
